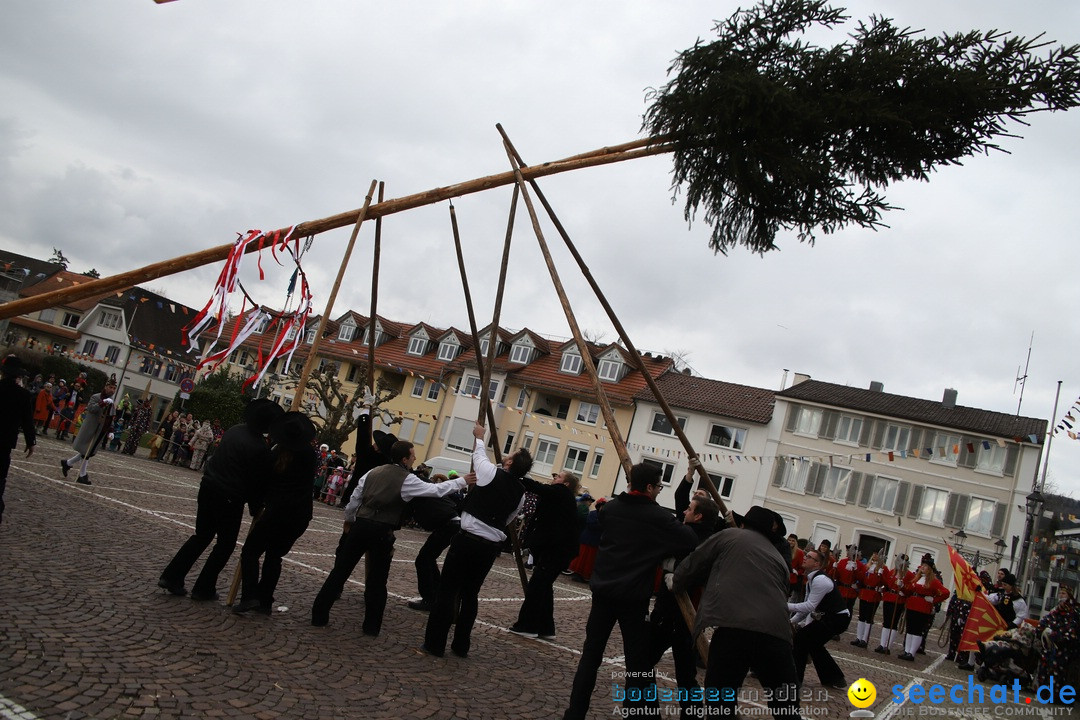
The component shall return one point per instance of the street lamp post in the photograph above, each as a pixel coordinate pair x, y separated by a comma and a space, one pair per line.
1034, 503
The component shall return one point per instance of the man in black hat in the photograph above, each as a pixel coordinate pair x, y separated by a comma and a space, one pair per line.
231, 477
1010, 603
18, 415
372, 450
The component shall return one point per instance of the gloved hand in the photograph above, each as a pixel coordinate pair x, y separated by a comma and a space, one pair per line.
669, 580
107, 401
668, 565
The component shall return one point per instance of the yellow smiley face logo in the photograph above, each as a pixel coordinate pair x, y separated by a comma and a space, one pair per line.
862, 693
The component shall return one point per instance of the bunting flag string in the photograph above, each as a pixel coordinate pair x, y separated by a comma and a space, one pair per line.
1067, 424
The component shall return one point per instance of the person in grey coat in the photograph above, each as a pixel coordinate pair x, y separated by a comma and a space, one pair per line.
97, 419
745, 599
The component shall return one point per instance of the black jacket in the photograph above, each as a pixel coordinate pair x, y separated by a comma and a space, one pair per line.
554, 527
239, 467
636, 535
17, 414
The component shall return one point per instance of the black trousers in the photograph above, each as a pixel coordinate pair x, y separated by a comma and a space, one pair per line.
5, 465
631, 616
537, 613
810, 643
427, 560
273, 537
867, 610
377, 541
891, 614
733, 652
667, 629
218, 516
467, 564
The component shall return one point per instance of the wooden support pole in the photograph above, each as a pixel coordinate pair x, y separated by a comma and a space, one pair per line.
706, 481
374, 298
579, 339
484, 365
102, 286
309, 363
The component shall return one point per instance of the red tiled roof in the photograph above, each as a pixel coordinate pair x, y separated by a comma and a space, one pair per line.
986, 422
715, 397
65, 279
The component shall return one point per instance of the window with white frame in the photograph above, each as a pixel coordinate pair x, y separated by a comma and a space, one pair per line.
571, 364
521, 354
448, 350
493, 389
990, 457
897, 437
484, 348
837, 483
173, 373
795, 476
980, 519
309, 338
346, 333
575, 459
263, 324
433, 391
546, 449
244, 359
417, 345
149, 366
666, 469
723, 484
90, 347
610, 370
932, 506
108, 319
71, 320
848, 430
809, 421
587, 413
946, 448
883, 494
594, 469
378, 335
405, 428
660, 424
508, 442
824, 531
471, 386
421, 436
523, 397
112, 354
418, 387
527, 444
290, 335
460, 436
47, 315
727, 436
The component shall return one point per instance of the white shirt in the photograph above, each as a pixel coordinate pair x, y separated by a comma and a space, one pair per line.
412, 488
485, 473
819, 585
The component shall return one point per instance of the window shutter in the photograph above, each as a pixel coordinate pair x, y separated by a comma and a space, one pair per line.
999, 519
792, 416
916, 500
853, 487
867, 490
967, 459
828, 425
816, 482
963, 502
778, 474
1012, 451
879, 434
901, 497
864, 435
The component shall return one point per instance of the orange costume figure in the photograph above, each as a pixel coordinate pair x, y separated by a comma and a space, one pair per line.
892, 601
871, 579
922, 591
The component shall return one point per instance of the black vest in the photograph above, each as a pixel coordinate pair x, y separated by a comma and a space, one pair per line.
492, 504
1005, 607
832, 603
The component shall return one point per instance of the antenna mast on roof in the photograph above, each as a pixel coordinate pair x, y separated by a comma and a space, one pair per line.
1021, 380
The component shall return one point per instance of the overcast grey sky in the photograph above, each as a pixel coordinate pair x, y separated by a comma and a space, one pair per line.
132, 132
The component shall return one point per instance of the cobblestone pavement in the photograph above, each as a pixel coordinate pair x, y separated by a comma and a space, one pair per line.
86, 633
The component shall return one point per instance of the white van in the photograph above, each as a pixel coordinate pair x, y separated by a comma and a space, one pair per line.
442, 465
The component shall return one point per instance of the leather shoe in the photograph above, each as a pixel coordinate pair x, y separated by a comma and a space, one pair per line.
64, 467
203, 596
966, 667
906, 656
421, 605
246, 606
320, 619
522, 632
84, 480
460, 653
428, 651
837, 684
881, 650
174, 587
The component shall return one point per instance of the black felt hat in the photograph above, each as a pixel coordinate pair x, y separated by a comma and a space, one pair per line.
260, 414
293, 430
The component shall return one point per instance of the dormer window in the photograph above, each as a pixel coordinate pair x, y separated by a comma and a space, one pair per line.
291, 335
417, 345
609, 370
347, 333
378, 335
109, 319
484, 347
521, 354
571, 364
448, 350
310, 337
263, 324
